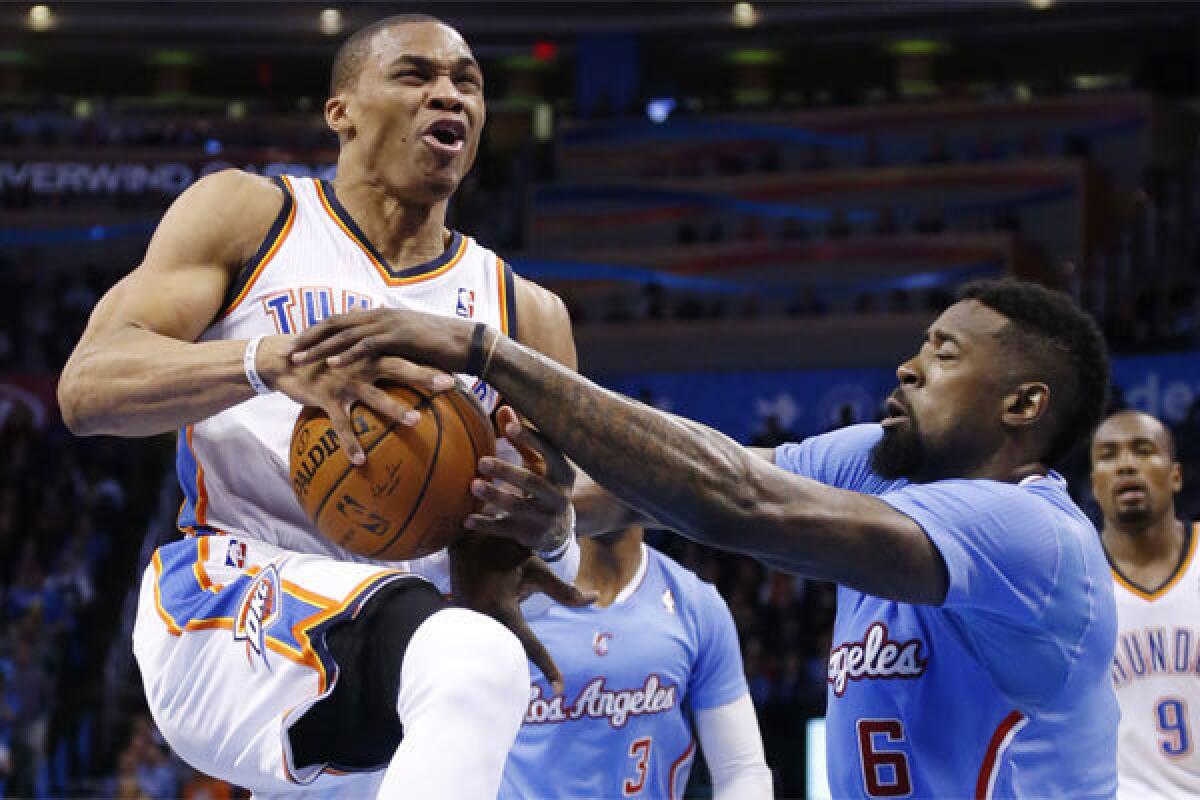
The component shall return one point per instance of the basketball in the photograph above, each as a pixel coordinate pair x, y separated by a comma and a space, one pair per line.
410, 497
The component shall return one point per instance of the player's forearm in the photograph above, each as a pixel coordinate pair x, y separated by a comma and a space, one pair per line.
682, 474
139, 383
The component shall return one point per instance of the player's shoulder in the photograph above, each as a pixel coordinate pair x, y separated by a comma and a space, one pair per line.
840, 458
678, 578
238, 189
237, 206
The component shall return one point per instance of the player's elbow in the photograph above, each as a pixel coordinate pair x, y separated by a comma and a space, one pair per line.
75, 402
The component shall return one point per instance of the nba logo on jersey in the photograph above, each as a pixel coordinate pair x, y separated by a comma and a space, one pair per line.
466, 303
256, 613
600, 642
235, 554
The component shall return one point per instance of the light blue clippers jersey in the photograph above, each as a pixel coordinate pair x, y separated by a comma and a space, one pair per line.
634, 672
1003, 690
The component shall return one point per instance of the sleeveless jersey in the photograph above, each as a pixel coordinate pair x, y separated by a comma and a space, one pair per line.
315, 262
1156, 672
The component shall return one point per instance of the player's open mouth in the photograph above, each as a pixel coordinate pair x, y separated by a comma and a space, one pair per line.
1130, 492
446, 136
896, 413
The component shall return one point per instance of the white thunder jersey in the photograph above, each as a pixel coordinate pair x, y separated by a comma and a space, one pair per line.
1156, 672
315, 262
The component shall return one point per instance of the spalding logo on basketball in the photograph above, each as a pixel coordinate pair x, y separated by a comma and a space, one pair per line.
411, 496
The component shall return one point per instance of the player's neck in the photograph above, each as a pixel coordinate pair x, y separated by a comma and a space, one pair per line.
405, 233
608, 563
1158, 542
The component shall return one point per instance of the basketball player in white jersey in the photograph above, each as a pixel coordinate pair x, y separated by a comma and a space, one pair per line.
1156, 668
270, 657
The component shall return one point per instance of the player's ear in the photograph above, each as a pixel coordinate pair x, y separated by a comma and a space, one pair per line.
1026, 404
337, 115
1176, 478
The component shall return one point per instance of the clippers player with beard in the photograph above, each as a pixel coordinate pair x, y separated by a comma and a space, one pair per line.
1156, 668
649, 669
975, 623
272, 658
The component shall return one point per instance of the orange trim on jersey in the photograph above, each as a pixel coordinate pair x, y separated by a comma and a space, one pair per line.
503, 291
198, 568
1001, 738
270, 254
383, 269
308, 655
173, 627
201, 491
1180, 569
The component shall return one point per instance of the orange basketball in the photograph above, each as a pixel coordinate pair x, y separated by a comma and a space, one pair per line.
410, 497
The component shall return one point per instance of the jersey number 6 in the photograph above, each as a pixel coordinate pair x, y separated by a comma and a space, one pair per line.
885, 772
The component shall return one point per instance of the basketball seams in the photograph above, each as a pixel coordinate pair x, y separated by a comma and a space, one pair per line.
433, 460
425, 501
349, 467
461, 397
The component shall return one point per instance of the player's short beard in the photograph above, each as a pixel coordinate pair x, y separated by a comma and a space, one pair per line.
1135, 517
900, 453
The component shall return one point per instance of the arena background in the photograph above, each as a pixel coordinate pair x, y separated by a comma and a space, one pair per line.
751, 211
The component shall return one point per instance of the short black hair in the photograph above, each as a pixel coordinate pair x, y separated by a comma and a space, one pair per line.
353, 52
1057, 339
1168, 435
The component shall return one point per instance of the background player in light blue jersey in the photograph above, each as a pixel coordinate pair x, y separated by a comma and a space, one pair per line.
650, 668
975, 620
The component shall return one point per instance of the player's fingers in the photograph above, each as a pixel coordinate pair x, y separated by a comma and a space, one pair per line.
387, 405
538, 576
534, 648
535, 448
404, 371
503, 497
333, 326
537, 491
339, 419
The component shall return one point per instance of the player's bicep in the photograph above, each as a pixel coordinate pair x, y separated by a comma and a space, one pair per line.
545, 324
808, 528
181, 283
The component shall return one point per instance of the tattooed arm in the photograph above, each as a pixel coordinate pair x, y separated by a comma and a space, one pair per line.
682, 474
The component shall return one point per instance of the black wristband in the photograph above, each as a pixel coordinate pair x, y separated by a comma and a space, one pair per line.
475, 353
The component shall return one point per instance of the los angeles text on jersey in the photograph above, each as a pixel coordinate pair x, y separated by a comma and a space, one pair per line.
596, 701
1147, 652
875, 657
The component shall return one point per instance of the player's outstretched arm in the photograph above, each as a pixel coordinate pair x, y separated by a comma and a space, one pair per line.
137, 370
685, 475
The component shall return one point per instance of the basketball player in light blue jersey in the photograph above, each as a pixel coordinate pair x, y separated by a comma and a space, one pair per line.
975, 624
650, 668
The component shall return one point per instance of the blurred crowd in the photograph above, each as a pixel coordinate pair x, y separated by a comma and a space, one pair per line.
74, 514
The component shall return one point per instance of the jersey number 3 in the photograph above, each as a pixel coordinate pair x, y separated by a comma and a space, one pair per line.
640, 750
885, 772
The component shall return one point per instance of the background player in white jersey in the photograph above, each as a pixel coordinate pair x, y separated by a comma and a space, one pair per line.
654, 659
1156, 668
270, 658
975, 622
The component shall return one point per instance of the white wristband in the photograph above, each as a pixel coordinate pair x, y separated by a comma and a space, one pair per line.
249, 364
